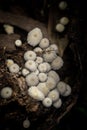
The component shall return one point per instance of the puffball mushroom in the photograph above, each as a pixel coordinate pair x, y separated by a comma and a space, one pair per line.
8, 28
64, 20
32, 79
39, 59
61, 86
6, 92
25, 72
68, 91
31, 65
58, 103
60, 27
42, 77
47, 102
26, 123
18, 43
53, 95
42, 67
29, 55
34, 37
57, 63
9, 62
50, 83
44, 43
35, 93
14, 68
43, 88
62, 5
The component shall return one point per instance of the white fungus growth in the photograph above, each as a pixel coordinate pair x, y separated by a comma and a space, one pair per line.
8, 28
14, 68
64, 20
34, 37
48, 66
47, 102
9, 62
38, 50
42, 77
43, 88
36, 72
57, 63
54, 75
6, 92
68, 91
35, 93
60, 27
26, 123
42, 67
61, 86
50, 83
62, 5
39, 59
54, 47
44, 43
31, 65
32, 79
53, 95
49, 56
25, 72
58, 103
29, 55
18, 43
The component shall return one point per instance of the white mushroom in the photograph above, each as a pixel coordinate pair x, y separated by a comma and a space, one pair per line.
25, 72
18, 43
34, 37
50, 83
26, 123
8, 28
58, 103
60, 27
49, 55
47, 102
31, 65
42, 67
44, 43
9, 62
57, 63
63, 5
29, 55
53, 95
35, 93
43, 88
14, 68
32, 79
6, 92
38, 50
61, 86
39, 59
54, 75
64, 20
68, 91
42, 77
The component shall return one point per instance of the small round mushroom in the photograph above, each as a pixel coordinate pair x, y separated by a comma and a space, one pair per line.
42, 67
35, 93
53, 95
50, 83
14, 68
18, 43
38, 50
62, 5
49, 55
43, 88
44, 43
25, 72
47, 102
42, 77
60, 27
61, 86
8, 28
34, 37
64, 20
68, 90
9, 62
29, 55
39, 59
31, 65
6, 92
58, 103
26, 123
32, 79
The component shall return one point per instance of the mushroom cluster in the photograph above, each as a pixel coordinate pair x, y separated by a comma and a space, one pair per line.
39, 70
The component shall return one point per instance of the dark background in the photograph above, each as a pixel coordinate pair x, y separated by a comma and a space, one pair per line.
77, 117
